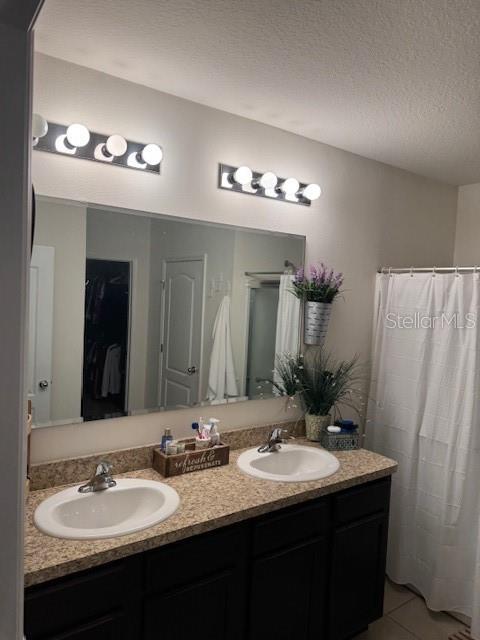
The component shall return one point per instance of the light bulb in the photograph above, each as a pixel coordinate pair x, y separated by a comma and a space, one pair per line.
115, 146
39, 126
77, 135
268, 180
243, 175
135, 161
290, 186
312, 191
152, 154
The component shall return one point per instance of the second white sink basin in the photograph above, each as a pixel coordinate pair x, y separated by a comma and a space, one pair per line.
292, 463
130, 506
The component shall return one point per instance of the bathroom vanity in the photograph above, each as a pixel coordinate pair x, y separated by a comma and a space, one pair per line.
257, 560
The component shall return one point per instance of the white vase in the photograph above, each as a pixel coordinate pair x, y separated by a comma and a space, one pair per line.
316, 316
315, 425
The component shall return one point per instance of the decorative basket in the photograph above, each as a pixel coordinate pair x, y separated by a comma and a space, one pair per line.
315, 426
315, 322
340, 441
192, 460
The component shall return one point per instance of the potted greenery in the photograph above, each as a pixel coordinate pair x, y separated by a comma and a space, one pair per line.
317, 291
321, 383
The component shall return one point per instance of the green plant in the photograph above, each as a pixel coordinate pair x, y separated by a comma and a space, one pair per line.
319, 380
287, 367
324, 383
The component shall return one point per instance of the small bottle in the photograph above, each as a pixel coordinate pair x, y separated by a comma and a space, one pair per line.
167, 437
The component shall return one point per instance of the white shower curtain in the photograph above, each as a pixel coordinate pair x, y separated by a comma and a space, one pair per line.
424, 412
287, 335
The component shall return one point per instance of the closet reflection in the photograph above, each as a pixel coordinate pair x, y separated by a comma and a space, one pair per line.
132, 313
107, 303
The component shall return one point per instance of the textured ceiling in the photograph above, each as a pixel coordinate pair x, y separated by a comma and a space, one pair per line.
393, 80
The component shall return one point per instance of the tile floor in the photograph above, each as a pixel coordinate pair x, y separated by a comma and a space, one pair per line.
407, 618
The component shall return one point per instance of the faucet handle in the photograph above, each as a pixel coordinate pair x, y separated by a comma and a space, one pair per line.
103, 468
280, 434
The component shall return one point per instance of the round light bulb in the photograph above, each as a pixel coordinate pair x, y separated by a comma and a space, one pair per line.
268, 180
312, 191
78, 135
243, 175
290, 186
39, 126
116, 145
152, 154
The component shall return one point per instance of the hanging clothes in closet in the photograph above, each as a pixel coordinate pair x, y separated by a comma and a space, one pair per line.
107, 292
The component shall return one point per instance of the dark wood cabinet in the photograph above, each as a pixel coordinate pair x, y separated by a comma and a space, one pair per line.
288, 592
196, 588
358, 557
289, 573
314, 571
104, 601
203, 609
109, 627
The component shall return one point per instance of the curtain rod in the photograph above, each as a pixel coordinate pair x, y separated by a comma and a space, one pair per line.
254, 274
427, 269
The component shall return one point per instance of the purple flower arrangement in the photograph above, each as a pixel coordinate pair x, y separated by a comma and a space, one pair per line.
320, 285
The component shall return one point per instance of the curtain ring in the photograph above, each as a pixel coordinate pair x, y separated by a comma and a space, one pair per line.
457, 275
411, 272
434, 272
389, 272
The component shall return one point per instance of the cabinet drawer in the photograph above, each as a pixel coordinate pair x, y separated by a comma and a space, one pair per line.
361, 501
171, 566
108, 627
290, 527
65, 603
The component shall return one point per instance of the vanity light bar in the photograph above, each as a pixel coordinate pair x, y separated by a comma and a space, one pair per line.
76, 141
266, 185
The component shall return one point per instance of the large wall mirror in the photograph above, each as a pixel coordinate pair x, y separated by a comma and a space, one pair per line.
132, 313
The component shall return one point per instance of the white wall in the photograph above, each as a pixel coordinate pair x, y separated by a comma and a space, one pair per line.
467, 239
63, 226
369, 215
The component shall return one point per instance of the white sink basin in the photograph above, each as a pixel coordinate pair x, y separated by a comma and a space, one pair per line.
130, 506
292, 463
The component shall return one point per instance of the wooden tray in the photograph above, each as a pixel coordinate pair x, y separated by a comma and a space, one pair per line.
191, 460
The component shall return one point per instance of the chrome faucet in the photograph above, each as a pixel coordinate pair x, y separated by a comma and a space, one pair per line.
275, 439
101, 479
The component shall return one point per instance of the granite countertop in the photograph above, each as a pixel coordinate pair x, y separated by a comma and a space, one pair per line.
208, 499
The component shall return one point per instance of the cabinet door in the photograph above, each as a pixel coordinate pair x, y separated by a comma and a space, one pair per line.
206, 609
196, 588
288, 593
358, 575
